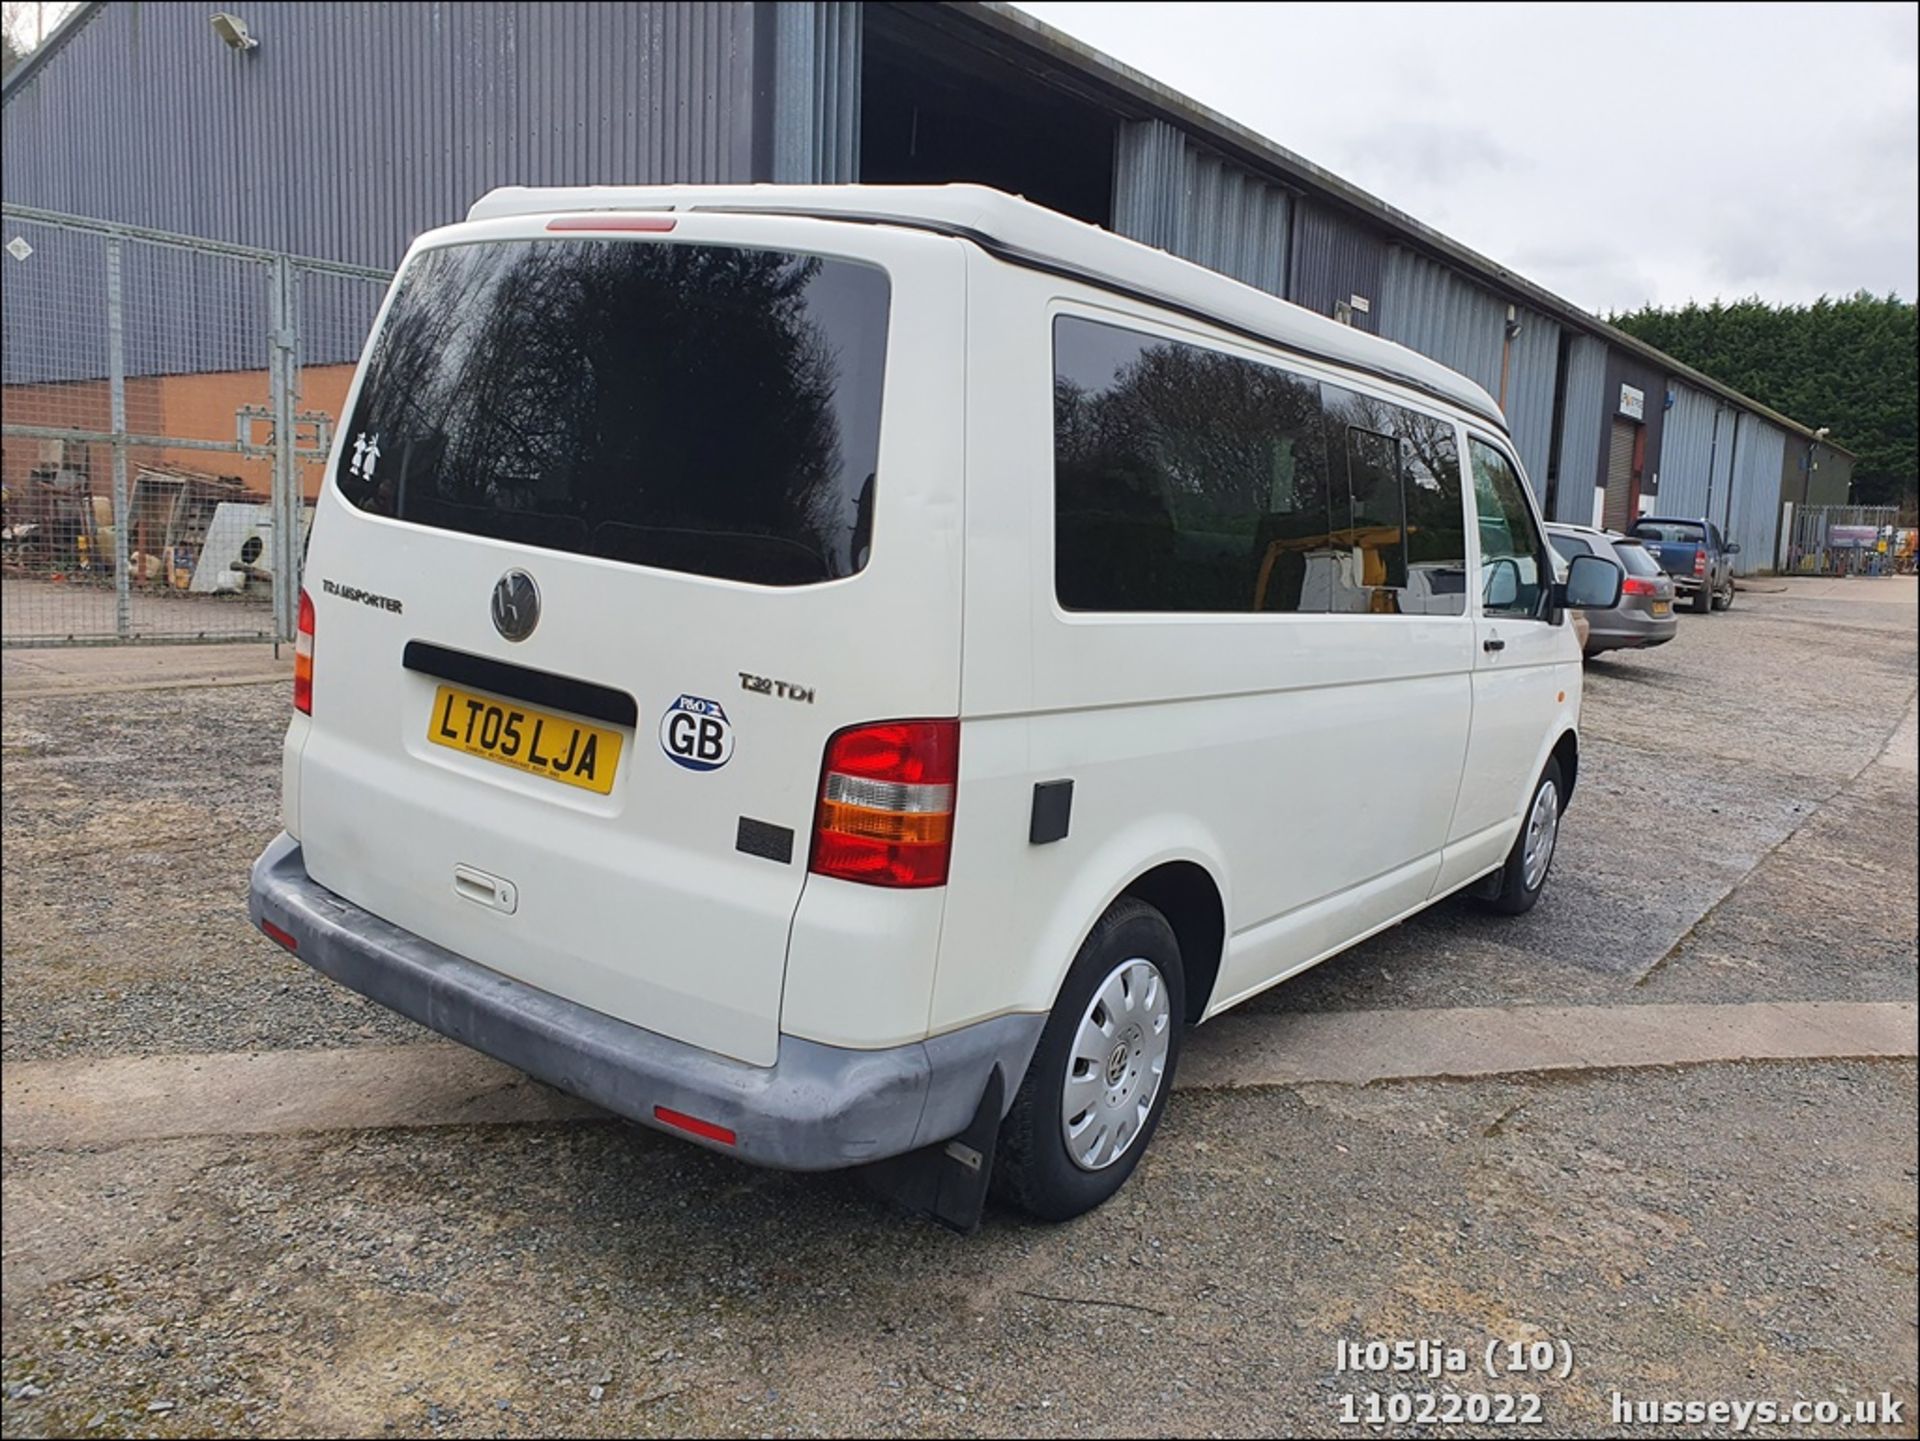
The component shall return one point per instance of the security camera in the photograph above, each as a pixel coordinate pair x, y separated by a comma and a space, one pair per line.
1822, 432
233, 30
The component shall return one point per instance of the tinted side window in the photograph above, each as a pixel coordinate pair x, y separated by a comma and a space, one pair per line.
1510, 578
1569, 545
1185, 479
1397, 516
1436, 515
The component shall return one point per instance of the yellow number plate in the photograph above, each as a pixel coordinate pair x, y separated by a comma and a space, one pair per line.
529, 740
1663, 607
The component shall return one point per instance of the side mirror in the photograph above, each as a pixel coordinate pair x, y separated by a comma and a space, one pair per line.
1733, 547
1503, 584
1593, 583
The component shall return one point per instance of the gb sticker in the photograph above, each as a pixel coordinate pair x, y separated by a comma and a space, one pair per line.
695, 733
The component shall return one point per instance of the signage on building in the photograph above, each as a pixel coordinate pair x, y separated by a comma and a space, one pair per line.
1633, 403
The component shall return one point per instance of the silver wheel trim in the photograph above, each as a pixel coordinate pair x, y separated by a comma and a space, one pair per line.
1117, 1065
1543, 829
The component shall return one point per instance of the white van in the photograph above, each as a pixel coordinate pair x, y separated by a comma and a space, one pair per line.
852, 673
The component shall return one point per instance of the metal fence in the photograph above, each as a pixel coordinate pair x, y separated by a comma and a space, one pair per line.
169, 404
1841, 540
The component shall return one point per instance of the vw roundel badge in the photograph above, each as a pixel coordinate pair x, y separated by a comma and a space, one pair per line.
695, 733
516, 605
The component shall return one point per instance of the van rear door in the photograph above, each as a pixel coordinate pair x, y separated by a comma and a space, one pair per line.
630, 514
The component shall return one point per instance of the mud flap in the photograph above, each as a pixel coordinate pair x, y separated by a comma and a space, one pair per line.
947, 1181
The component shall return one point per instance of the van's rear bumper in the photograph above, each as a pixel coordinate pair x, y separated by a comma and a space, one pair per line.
816, 1108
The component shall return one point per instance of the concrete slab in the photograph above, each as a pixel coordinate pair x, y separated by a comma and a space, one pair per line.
85, 1102
106, 670
1362, 1047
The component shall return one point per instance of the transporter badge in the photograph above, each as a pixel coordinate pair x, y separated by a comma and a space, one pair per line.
695, 733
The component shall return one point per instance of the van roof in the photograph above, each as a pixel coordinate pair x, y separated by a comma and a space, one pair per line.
1024, 233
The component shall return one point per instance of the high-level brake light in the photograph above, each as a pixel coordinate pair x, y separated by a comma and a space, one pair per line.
609, 220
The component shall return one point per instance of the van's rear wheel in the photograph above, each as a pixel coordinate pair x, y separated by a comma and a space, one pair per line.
1100, 1077
1525, 874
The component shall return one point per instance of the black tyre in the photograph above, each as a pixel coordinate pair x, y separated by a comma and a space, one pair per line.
1100, 1077
1525, 874
1724, 601
1703, 600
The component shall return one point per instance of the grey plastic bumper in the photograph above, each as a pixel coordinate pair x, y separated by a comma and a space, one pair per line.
817, 1108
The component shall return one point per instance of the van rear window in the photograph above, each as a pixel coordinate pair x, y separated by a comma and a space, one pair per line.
696, 408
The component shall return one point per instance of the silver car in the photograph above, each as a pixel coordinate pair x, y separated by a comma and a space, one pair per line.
1645, 615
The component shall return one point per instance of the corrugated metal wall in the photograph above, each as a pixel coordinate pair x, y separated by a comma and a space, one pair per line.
1695, 463
816, 92
1334, 260
1184, 198
1532, 371
1149, 181
353, 128
1751, 514
1439, 312
1584, 411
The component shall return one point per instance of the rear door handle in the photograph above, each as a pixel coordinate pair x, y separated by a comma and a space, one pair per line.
1493, 643
490, 891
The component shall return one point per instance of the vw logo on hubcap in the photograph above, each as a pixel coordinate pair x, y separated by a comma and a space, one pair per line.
516, 605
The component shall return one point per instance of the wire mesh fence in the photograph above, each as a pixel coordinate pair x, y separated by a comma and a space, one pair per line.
169, 402
1843, 540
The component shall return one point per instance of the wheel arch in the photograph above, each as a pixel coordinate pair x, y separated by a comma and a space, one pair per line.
1186, 893
1566, 750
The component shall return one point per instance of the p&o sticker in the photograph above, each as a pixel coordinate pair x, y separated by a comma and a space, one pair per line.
695, 733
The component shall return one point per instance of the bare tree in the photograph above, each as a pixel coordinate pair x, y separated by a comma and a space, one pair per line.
24, 24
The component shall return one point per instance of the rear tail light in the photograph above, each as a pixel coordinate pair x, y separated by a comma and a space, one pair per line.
1700, 560
886, 804
303, 657
1638, 585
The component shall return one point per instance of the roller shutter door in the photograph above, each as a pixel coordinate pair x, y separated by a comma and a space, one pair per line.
1617, 512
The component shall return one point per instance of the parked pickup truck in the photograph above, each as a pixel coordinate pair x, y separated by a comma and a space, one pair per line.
1695, 554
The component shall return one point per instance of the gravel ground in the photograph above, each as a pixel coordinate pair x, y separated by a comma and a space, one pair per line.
1726, 1232
125, 871
130, 821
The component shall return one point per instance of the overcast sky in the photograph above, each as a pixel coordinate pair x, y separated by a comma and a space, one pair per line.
1616, 153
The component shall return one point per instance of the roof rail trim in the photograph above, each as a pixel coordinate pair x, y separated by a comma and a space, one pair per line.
1066, 270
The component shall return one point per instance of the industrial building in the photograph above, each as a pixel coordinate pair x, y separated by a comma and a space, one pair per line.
339, 132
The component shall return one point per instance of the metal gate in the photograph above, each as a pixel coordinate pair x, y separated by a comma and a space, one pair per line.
169, 403
1843, 540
